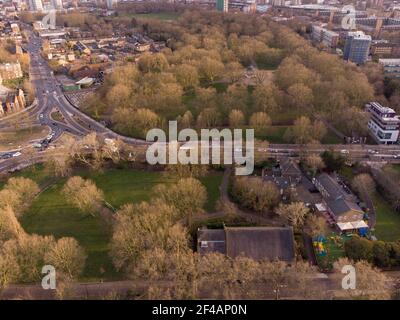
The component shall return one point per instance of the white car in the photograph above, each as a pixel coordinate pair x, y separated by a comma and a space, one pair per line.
16, 154
41, 116
372, 151
344, 151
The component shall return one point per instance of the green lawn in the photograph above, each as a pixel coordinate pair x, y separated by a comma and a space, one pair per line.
212, 182
331, 138
396, 167
51, 214
36, 173
387, 226
273, 134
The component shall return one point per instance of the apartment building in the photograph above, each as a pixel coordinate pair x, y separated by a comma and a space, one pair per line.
357, 47
391, 67
384, 123
327, 37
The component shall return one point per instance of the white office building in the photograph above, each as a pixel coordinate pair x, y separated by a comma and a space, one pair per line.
57, 4
384, 123
35, 5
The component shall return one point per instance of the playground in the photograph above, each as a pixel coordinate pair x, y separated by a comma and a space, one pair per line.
328, 249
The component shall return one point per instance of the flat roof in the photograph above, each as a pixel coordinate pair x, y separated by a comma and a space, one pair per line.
381, 108
391, 62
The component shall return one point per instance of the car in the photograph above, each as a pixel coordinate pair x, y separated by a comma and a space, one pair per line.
41, 116
37, 145
344, 151
372, 151
16, 154
6, 156
396, 156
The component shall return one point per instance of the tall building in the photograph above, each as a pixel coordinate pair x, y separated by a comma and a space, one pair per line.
383, 124
111, 3
35, 5
327, 37
356, 48
57, 4
222, 5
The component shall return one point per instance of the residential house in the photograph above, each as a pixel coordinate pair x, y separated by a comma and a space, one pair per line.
286, 175
258, 243
13, 102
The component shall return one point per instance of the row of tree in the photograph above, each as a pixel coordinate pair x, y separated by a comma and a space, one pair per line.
380, 253
23, 255
203, 50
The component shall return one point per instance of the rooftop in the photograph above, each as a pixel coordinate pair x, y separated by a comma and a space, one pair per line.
360, 35
258, 243
390, 62
331, 186
380, 108
341, 206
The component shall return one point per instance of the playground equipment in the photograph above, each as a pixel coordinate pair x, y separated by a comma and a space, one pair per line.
319, 245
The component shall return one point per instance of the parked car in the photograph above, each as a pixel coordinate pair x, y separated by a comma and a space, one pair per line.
6, 156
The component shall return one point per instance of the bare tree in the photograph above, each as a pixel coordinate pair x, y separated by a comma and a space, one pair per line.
294, 213
370, 282
188, 196
83, 194
18, 193
67, 256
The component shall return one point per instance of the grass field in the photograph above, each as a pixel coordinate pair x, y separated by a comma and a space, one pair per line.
50, 214
387, 226
273, 134
331, 138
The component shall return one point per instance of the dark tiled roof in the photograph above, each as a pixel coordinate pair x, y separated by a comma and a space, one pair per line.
281, 182
331, 186
340, 207
289, 168
259, 243
211, 240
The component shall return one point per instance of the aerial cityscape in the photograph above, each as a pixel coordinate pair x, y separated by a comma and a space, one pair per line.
200, 150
